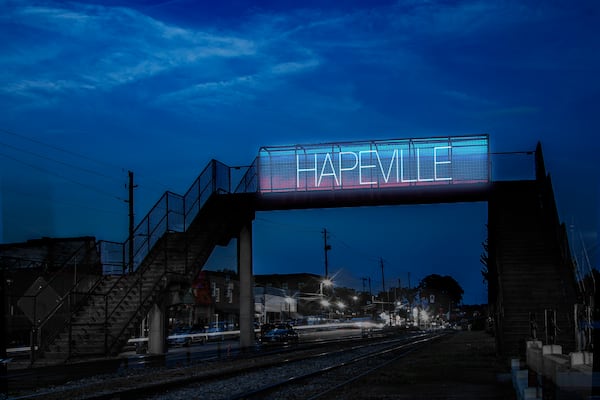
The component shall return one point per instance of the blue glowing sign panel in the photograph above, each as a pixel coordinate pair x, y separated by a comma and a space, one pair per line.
374, 164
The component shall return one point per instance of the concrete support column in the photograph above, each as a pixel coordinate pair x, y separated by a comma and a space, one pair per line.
157, 342
246, 286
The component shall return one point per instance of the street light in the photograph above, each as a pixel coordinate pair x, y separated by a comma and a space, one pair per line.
341, 306
324, 282
288, 301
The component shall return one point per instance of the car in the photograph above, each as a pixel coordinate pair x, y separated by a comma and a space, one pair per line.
280, 335
179, 337
185, 336
215, 334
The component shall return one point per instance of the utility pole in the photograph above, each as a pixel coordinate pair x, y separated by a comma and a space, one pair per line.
382, 275
3, 355
130, 186
383, 284
326, 248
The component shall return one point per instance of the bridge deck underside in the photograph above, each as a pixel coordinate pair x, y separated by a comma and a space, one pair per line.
369, 197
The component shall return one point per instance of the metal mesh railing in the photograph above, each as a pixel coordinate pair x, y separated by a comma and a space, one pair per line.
48, 302
171, 213
249, 182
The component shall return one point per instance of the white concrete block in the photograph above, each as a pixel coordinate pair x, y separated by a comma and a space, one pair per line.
551, 349
534, 343
515, 364
554, 363
576, 358
588, 358
530, 393
535, 359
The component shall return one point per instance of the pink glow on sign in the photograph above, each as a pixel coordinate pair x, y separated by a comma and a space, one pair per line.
374, 165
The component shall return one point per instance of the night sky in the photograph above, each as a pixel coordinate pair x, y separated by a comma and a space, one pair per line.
91, 90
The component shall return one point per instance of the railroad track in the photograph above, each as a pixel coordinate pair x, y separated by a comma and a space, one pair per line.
23, 381
326, 380
257, 377
302, 378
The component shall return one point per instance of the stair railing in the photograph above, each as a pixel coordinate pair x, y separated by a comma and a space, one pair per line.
53, 318
172, 213
142, 296
249, 182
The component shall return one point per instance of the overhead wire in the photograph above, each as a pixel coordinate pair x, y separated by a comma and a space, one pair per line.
66, 203
76, 154
59, 161
12, 133
60, 176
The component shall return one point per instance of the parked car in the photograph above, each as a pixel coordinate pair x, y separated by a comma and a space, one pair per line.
185, 336
215, 334
280, 335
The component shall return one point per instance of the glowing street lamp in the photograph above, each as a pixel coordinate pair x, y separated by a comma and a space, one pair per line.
324, 282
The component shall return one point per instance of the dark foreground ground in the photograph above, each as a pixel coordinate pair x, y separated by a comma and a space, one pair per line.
462, 366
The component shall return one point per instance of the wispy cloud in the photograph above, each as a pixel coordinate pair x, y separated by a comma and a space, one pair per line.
101, 48
512, 111
105, 48
225, 92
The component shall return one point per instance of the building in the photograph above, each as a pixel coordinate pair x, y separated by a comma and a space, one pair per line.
38, 272
213, 299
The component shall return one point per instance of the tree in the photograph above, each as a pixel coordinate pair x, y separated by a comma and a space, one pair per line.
484, 260
444, 288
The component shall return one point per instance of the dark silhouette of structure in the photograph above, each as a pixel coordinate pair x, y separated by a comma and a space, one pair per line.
529, 262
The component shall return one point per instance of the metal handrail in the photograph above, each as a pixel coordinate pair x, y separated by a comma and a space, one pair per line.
204, 186
38, 326
130, 288
153, 228
249, 182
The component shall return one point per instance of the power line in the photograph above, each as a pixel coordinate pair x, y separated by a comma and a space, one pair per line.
6, 131
65, 203
60, 162
354, 249
61, 177
72, 153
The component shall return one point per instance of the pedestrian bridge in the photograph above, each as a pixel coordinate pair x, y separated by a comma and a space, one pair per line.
529, 266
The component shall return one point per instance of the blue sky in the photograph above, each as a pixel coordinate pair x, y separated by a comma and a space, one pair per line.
90, 90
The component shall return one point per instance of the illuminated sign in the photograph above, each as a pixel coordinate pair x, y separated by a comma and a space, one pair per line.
374, 164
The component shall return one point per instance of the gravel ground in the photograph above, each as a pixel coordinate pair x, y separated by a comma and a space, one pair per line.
463, 366
460, 366
238, 385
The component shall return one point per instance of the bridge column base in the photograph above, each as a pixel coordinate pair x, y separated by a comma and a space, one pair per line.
246, 286
157, 343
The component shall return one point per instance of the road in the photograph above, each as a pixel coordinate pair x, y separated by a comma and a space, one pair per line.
182, 355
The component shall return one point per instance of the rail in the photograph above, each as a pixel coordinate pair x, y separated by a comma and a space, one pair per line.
171, 213
45, 328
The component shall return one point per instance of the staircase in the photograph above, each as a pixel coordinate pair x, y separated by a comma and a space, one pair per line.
533, 274
178, 235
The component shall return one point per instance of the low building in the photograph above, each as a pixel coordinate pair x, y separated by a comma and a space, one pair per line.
213, 299
39, 272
